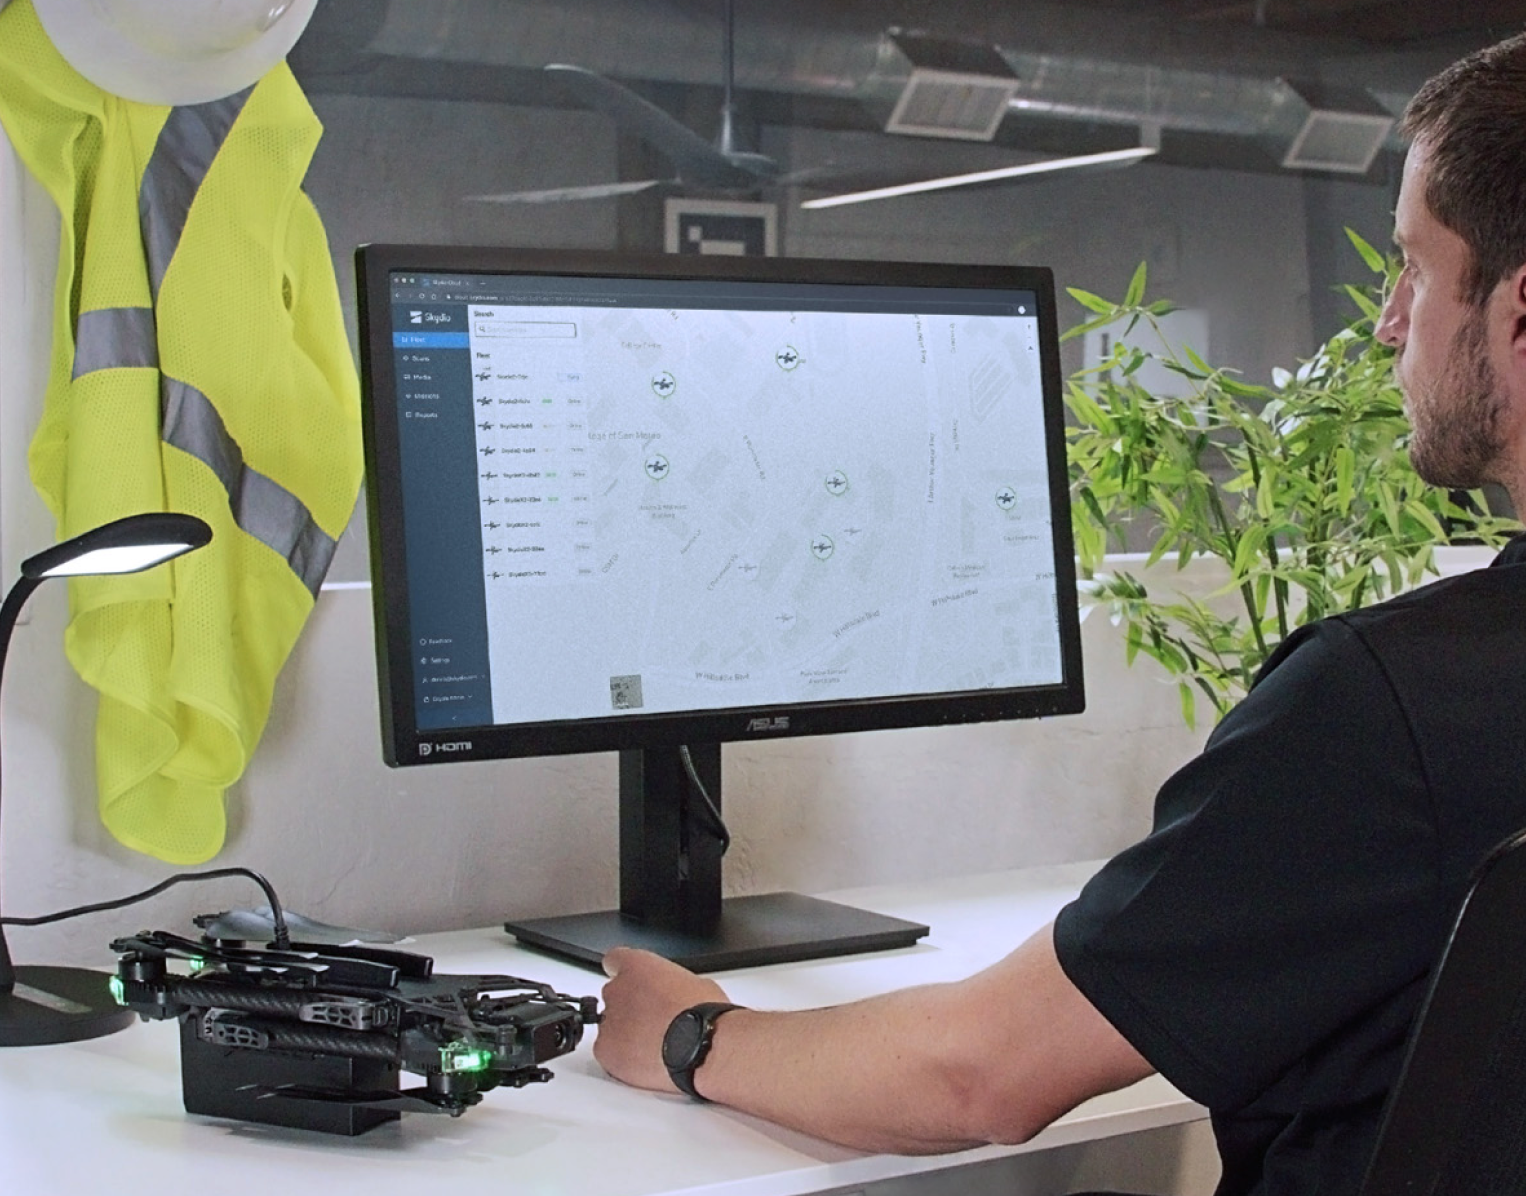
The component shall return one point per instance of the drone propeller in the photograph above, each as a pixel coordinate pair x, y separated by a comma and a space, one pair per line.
258, 925
164, 945
410, 1100
366, 966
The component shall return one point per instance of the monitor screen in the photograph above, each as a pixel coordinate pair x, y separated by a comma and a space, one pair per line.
634, 504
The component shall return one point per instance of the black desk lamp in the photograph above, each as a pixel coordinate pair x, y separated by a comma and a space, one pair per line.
55, 1004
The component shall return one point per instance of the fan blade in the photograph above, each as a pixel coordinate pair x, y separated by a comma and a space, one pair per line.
561, 194
1109, 160
696, 159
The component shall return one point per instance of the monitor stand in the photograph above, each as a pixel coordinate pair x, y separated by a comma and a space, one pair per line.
670, 888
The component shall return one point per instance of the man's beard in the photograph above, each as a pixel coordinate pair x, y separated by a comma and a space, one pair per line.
1455, 442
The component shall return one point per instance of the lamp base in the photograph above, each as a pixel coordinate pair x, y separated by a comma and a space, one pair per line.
53, 1004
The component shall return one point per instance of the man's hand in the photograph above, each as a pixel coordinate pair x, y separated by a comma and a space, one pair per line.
645, 992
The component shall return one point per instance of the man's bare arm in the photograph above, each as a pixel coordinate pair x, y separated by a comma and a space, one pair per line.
942, 1067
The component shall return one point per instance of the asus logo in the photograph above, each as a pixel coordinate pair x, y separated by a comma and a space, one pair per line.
459, 745
780, 722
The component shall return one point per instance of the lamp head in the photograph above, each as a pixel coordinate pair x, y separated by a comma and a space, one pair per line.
127, 545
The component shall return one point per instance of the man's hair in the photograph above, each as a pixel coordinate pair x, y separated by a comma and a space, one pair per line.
1471, 119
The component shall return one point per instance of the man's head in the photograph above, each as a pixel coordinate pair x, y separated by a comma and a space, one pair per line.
1472, 119
1458, 312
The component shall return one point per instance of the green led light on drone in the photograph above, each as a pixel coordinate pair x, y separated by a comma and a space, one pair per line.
457, 1058
118, 990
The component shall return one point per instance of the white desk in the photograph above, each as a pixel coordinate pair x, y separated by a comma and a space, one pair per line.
105, 1116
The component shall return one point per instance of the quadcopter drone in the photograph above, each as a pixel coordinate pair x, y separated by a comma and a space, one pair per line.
315, 1036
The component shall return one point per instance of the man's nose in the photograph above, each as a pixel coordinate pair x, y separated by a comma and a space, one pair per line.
1393, 323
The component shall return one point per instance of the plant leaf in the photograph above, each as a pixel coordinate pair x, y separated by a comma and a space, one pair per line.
1095, 302
1189, 704
1081, 329
1375, 260
1136, 289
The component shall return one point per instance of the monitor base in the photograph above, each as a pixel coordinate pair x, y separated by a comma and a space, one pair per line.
59, 1004
762, 929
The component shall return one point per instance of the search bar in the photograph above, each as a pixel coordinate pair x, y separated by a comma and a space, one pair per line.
525, 329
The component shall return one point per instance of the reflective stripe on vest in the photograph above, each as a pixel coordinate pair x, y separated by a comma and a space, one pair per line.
126, 337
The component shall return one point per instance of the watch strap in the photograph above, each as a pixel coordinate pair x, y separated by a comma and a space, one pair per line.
706, 1013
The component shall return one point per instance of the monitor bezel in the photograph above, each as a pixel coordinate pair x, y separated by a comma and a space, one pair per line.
405, 744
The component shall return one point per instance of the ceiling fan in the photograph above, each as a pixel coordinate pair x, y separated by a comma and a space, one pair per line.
723, 166
720, 165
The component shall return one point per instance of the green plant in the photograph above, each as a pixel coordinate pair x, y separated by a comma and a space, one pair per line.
1304, 490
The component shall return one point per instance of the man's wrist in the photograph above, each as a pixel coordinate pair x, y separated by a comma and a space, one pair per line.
687, 1042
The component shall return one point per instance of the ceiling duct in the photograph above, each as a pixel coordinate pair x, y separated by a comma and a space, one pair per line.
954, 89
803, 47
1343, 131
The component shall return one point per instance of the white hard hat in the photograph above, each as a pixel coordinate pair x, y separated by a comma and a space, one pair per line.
174, 51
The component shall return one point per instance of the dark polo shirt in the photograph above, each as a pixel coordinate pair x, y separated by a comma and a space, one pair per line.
1268, 945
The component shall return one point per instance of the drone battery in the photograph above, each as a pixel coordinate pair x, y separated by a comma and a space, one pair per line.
222, 1081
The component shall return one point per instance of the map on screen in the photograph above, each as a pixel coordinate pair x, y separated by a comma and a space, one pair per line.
689, 509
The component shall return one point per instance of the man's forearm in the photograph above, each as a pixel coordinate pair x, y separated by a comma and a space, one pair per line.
877, 1075
993, 1058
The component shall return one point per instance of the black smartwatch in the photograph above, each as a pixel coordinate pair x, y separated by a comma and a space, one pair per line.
687, 1042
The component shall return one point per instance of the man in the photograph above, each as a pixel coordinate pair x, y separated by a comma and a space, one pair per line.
1267, 946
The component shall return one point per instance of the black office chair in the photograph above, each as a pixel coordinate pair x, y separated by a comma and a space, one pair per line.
1455, 1124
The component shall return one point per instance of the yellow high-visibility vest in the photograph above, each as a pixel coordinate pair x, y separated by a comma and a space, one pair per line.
200, 364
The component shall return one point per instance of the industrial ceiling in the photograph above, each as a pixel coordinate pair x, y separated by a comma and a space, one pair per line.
1218, 84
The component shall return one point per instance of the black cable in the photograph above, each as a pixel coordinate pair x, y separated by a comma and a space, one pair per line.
281, 941
717, 825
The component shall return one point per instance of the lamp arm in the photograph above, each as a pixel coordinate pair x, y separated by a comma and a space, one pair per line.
9, 612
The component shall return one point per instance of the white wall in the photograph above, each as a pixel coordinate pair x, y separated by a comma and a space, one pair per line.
347, 840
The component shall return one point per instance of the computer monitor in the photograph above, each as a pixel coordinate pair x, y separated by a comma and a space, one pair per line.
651, 505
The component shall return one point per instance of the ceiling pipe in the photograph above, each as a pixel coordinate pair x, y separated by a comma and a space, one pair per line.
842, 50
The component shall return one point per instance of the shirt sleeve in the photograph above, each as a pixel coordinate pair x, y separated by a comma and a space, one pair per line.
1289, 883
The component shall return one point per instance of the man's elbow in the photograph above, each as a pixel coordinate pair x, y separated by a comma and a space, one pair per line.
984, 1107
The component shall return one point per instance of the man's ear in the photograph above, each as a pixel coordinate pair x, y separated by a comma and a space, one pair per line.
1515, 313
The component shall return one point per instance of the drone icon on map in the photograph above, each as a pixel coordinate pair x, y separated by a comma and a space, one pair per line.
664, 384
837, 482
787, 358
657, 467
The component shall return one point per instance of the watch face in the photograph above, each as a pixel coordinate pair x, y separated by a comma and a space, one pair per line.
682, 1041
